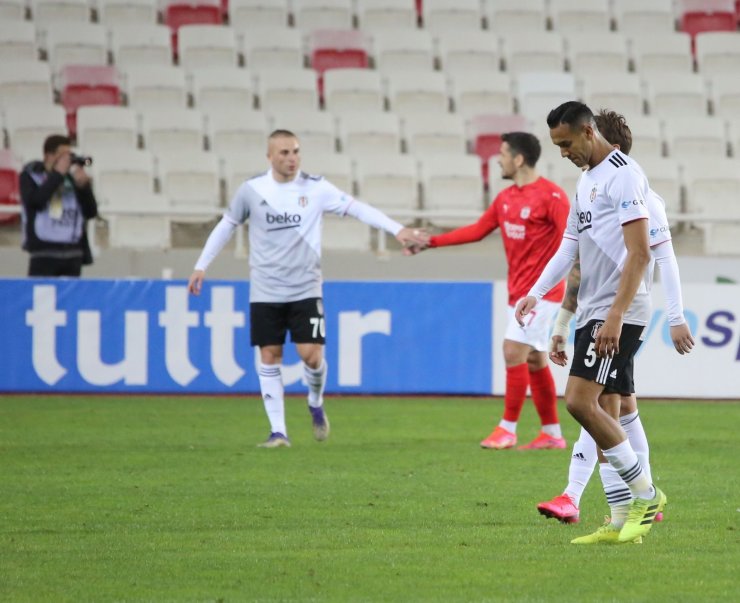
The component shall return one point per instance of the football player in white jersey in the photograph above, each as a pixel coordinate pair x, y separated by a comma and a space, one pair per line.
565, 507
608, 228
284, 207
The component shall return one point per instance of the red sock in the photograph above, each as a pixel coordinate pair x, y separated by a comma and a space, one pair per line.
517, 381
544, 396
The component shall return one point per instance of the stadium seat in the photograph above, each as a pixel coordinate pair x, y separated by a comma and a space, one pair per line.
288, 89
575, 16
403, 52
725, 95
434, 134
235, 132
29, 125
718, 53
344, 233
441, 16
238, 168
10, 167
485, 130
76, 44
722, 238
475, 52
221, 89
698, 16
12, 10
134, 12
539, 93
337, 49
544, 52
562, 172
17, 41
106, 127
156, 87
121, 174
59, 11
190, 12
422, 92
25, 83
677, 95
647, 137
664, 177
640, 17
452, 184
353, 90
598, 53
257, 15
272, 49
370, 134
661, 54
506, 17
733, 134
309, 15
695, 136
472, 94
379, 15
140, 45
336, 168
172, 131
132, 230
207, 46
87, 85
621, 91
191, 180
315, 129
712, 186
389, 182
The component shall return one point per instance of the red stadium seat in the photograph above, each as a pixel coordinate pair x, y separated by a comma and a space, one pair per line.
337, 49
707, 15
191, 12
88, 85
486, 131
9, 193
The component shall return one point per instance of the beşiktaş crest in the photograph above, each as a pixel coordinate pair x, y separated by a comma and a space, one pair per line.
303, 201
595, 329
593, 194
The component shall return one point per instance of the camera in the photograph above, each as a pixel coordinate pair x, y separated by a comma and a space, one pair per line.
81, 160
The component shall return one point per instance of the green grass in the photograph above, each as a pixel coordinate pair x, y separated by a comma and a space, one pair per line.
167, 499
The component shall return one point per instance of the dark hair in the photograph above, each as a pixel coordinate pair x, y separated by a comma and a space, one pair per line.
614, 128
53, 142
572, 113
282, 134
524, 144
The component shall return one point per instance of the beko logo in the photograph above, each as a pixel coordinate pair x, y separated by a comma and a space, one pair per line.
284, 220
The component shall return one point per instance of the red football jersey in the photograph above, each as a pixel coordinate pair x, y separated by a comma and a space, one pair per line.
532, 219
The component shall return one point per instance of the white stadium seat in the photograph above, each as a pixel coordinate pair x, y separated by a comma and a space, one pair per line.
619, 91
598, 53
172, 131
136, 45
474, 95
506, 17
462, 16
452, 183
370, 134
143, 230
25, 83
421, 92
543, 52
389, 182
353, 90
658, 54
151, 87
695, 136
201, 46
403, 51
222, 89
677, 95
539, 93
191, 180
17, 41
109, 127
433, 133
273, 49
380, 15
718, 53
640, 17
76, 44
575, 16
137, 12
288, 90
237, 132
256, 15
322, 14
476, 53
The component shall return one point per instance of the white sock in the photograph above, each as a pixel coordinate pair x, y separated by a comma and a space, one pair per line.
316, 380
508, 425
632, 426
273, 396
624, 460
553, 430
582, 463
618, 495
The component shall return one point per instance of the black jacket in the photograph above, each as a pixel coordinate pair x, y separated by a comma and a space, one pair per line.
36, 199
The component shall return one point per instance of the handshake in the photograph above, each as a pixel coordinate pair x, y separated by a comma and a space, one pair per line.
414, 240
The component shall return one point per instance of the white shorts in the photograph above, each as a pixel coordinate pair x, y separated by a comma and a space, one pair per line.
537, 326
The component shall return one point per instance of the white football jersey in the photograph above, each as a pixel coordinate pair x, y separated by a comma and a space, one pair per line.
285, 233
608, 196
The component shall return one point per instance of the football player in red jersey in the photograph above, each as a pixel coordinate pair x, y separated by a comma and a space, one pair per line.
531, 214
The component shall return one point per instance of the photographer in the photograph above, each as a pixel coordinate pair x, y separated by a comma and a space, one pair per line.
57, 201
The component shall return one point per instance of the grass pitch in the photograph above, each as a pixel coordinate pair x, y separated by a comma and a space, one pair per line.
168, 499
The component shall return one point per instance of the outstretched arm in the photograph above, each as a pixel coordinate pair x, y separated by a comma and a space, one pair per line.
217, 240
